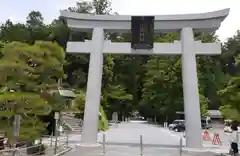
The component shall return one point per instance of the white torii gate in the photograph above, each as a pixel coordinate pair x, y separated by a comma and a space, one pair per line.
186, 47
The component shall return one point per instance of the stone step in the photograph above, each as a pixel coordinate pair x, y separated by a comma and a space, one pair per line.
70, 119
73, 123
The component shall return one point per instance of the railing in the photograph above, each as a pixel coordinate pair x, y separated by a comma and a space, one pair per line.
107, 149
46, 145
141, 149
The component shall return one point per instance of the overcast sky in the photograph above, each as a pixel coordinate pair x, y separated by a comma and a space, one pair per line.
17, 10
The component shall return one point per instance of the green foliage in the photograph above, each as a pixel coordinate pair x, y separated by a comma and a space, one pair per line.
203, 105
14, 32
228, 112
34, 19
96, 7
230, 97
162, 86
230, 94
29, 73
1, 46
78, 106
78, 103
103, 122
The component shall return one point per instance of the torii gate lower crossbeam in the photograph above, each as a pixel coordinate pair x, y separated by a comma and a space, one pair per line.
186, 47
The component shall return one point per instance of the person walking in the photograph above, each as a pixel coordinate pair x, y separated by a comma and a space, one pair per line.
234, 140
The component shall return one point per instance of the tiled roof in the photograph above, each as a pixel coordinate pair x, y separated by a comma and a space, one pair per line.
67, 93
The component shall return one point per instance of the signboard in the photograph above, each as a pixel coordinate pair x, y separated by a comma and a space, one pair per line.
142, 32
115, 116
56, 115
16, 125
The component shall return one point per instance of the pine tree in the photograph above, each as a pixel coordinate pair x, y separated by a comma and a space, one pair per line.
28, 75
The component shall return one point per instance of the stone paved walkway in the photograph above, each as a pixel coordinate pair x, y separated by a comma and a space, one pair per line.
132, 151
124, 140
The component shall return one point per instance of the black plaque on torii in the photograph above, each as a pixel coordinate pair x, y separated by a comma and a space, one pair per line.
142, 32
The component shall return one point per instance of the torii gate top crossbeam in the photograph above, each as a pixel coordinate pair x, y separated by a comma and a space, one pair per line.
203, 22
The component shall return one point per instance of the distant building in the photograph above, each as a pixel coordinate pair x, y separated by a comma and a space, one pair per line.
215, 114
67, 93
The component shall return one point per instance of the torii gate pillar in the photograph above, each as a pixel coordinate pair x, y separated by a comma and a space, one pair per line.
190, 90
93, 95
187, 47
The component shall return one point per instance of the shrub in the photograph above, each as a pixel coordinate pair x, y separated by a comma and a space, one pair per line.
37, 149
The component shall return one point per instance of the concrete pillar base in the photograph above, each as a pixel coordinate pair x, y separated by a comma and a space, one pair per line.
88, 145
